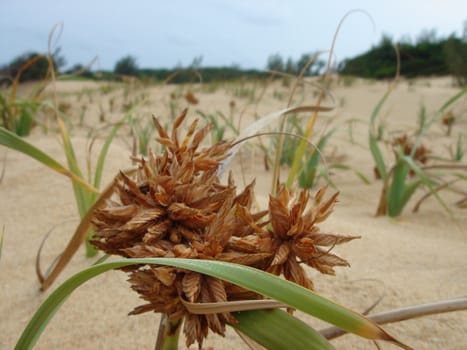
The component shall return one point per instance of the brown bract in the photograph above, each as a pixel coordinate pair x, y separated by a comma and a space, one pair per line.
296, 238
176, 206
420, 154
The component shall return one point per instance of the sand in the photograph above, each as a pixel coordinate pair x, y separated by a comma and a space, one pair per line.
417, 258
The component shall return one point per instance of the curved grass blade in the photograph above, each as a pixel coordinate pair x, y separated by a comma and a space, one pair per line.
426, 181
268, 120
397, 189
277, 329
452, 100
308, 173
80, 234
103, 154
358, 173
256, 280
10, 140
377, 156
83, 197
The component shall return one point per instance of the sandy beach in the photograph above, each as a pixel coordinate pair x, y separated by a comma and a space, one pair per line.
413, 259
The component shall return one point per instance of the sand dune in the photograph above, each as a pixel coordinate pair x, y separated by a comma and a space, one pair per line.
417, 258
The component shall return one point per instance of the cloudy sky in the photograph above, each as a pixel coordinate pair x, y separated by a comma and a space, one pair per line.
242, 32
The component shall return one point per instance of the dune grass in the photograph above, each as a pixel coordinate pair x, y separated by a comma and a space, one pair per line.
274, 329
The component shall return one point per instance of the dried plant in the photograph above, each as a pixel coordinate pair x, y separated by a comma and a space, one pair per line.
191, 98
409, 170
176, 206
19, 115
448, 119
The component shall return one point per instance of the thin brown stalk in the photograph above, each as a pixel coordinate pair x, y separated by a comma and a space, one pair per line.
407, 313
231, 306
249, 342
435, 190
445, 166
167, 336
383, 203
190, 70
280, 142
311, 122
39, 274
80, 234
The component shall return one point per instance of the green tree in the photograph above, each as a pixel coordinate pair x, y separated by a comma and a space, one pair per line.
302, 63
126, 66
429, 56
455, 54
314, 68
290, 66
275, 62
38, 70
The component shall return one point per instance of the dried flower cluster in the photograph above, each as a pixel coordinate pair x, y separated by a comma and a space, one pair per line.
406, 146
420, 154
176, 206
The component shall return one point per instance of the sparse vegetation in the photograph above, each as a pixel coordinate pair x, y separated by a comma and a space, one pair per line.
409, 171
202, 251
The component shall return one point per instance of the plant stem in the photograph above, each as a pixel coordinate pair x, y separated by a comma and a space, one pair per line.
167, 336
407, 313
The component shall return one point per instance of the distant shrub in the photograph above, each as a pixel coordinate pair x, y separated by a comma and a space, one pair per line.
126, 66
455, 54
38, 70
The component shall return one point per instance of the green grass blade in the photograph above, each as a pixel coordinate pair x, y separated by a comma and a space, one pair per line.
103, 154
453, 99
373, 132
358, 173
82, 197
426, 181
10, 140
244, 276
25, 121
308, 174
277, 329
377, 156
409, 191
397, 188
377, 109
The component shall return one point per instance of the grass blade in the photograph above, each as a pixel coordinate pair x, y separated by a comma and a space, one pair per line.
256, 280
80, 235
358, 173
77, 239
308, 173
452, 100
377, 109
377, 156
426, 181
258, 125
10, 140
83, 200
397, 188
277, 329
103, 154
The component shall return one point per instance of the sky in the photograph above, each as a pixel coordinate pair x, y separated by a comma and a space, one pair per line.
166, 34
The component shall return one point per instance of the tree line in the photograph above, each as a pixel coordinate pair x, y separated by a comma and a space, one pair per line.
427, 56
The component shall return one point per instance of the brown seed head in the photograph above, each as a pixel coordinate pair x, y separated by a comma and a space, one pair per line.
176, 206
